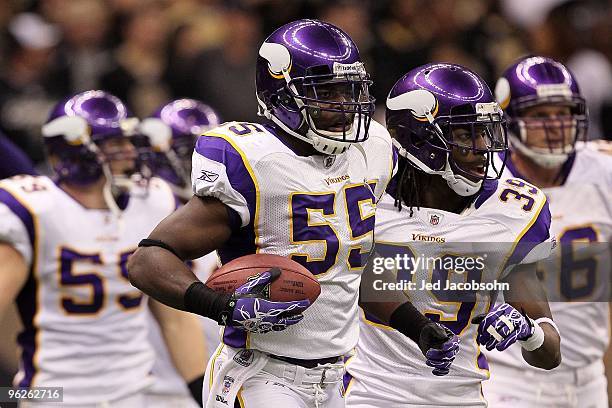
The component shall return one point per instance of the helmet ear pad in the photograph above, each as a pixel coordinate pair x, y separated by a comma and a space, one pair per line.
285, 109
283, 98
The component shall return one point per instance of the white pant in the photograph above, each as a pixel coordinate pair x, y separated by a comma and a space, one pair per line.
169, 401
280, 385
133, 401
566, 388
371, 392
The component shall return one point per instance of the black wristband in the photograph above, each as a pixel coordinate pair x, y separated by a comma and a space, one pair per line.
195, 388
407, 320
202, 300
161, 244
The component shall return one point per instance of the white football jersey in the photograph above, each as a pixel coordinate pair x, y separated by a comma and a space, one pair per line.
85, 324
318, 210
577, 278
498, 231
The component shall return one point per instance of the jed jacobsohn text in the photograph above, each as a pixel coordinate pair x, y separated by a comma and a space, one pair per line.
465, 286
410, 264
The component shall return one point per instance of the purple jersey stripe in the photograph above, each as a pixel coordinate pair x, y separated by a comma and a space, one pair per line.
221, 151
482, 362
20, 211
27, 306
488, 188
26, 300
537, 233
346, 380
234, 337
242, 240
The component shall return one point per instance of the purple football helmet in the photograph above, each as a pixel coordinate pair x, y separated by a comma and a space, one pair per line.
184, 120
312, 84
75, 130
539, 81
438, 114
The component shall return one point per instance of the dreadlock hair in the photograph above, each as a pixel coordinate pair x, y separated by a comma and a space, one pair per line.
407, 186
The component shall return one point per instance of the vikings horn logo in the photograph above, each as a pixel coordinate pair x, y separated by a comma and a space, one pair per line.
278, 58
420, 103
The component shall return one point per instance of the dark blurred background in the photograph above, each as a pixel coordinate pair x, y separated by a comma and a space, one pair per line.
149, 51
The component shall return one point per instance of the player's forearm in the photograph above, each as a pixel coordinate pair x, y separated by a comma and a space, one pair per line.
184, 338
548, 355
194, 230
403, 317
13, 275
161, 275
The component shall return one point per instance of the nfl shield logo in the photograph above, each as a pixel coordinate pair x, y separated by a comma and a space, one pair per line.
434, 219
329, 161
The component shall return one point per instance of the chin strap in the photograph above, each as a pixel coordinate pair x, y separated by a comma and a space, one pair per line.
546, 160
109, 198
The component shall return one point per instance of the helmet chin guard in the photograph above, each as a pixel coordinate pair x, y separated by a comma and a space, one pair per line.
543, 159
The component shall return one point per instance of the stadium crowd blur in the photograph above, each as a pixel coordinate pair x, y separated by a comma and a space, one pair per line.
149, 51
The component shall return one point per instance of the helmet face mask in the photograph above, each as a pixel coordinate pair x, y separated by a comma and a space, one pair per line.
330, 104
473, 145
313, 85
120, 155
445, 122
547, 113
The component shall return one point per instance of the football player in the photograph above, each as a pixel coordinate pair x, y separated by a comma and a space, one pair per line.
547, 115
182, 121
443, 210
64, 248
302, 184
172, 132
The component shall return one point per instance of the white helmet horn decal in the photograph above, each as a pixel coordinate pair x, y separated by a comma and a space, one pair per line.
420, 102
278, 57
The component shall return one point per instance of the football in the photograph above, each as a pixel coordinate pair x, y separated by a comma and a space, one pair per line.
295, 281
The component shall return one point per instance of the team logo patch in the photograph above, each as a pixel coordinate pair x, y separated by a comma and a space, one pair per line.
434, 219
329, 161
227, 384
208, 176
244, 358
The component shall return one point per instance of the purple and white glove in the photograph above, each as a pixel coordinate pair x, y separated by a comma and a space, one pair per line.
502, 327
248, 309
439, 345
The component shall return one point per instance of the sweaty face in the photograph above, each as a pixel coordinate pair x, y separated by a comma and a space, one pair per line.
334, 117
549, 127
471, 144
120, 154
471, 161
